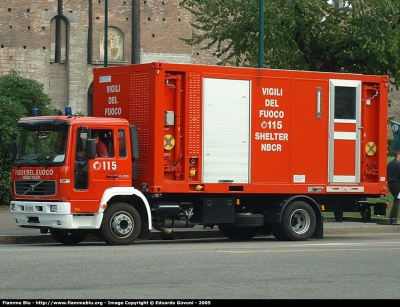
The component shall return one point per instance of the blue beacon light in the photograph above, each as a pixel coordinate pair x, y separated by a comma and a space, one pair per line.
68, 111
35, 112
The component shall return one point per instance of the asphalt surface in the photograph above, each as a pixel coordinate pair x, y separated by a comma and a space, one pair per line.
10, 233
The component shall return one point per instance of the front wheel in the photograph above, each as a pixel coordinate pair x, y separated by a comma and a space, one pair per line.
298, 222
121, 224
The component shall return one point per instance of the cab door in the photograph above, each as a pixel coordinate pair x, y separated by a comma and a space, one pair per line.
94, 176
344, 135
104, 166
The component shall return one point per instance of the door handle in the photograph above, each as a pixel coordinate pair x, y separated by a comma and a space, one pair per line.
112, 176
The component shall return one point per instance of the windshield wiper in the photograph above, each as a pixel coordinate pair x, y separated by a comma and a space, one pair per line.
46, 159
23, 159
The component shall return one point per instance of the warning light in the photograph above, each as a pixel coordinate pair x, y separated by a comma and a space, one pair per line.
68, 111
35, 112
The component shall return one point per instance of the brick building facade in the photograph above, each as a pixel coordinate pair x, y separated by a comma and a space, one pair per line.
59, 42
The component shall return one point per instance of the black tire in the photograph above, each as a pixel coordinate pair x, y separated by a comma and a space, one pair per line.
223, 230
68, 237
238, 233
121, 224
277, 233
298, 222
249, 220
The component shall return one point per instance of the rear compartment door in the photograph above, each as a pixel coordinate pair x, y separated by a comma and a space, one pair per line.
226, 130
344, 135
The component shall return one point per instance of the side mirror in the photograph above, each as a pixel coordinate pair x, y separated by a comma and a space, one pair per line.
15, 145
90, 149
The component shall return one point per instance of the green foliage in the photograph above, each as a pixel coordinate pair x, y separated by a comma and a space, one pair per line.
26, 92
391, 148
300, 34
10, 112
18, 96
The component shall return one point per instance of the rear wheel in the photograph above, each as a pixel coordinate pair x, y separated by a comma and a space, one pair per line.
238, 233
121, 224
298, 222
68, 237
246, 226
276, 232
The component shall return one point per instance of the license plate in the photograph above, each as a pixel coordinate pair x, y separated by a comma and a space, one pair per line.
28, 208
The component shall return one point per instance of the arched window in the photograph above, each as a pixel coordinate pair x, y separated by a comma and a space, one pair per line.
59, 39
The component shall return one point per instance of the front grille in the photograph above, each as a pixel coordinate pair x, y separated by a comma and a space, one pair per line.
35, 187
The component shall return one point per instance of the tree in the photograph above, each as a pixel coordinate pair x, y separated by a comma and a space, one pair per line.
26, 92
10, 112
18, 96
362, 37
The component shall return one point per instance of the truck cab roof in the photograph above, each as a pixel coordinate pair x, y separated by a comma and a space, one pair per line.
72, 120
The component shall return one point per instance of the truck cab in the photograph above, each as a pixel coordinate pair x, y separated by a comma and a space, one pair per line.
59, 182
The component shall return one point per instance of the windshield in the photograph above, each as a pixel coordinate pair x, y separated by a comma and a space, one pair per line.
46, 146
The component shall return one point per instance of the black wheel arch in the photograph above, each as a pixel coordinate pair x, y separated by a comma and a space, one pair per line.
275, 213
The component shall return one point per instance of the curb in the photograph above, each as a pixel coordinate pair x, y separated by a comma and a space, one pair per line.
47, 238
201, 234
361, 230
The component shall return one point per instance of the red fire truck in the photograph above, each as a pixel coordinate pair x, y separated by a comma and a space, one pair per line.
253, 151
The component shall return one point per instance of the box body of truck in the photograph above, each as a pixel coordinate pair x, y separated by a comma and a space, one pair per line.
216, 129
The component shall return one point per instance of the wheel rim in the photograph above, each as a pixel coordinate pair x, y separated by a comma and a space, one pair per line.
122, 224
300, 221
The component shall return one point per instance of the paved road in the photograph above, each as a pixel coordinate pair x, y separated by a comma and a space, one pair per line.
10, 233
337, 267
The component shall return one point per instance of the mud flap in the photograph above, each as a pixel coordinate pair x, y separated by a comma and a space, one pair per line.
319, 231
145, 234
